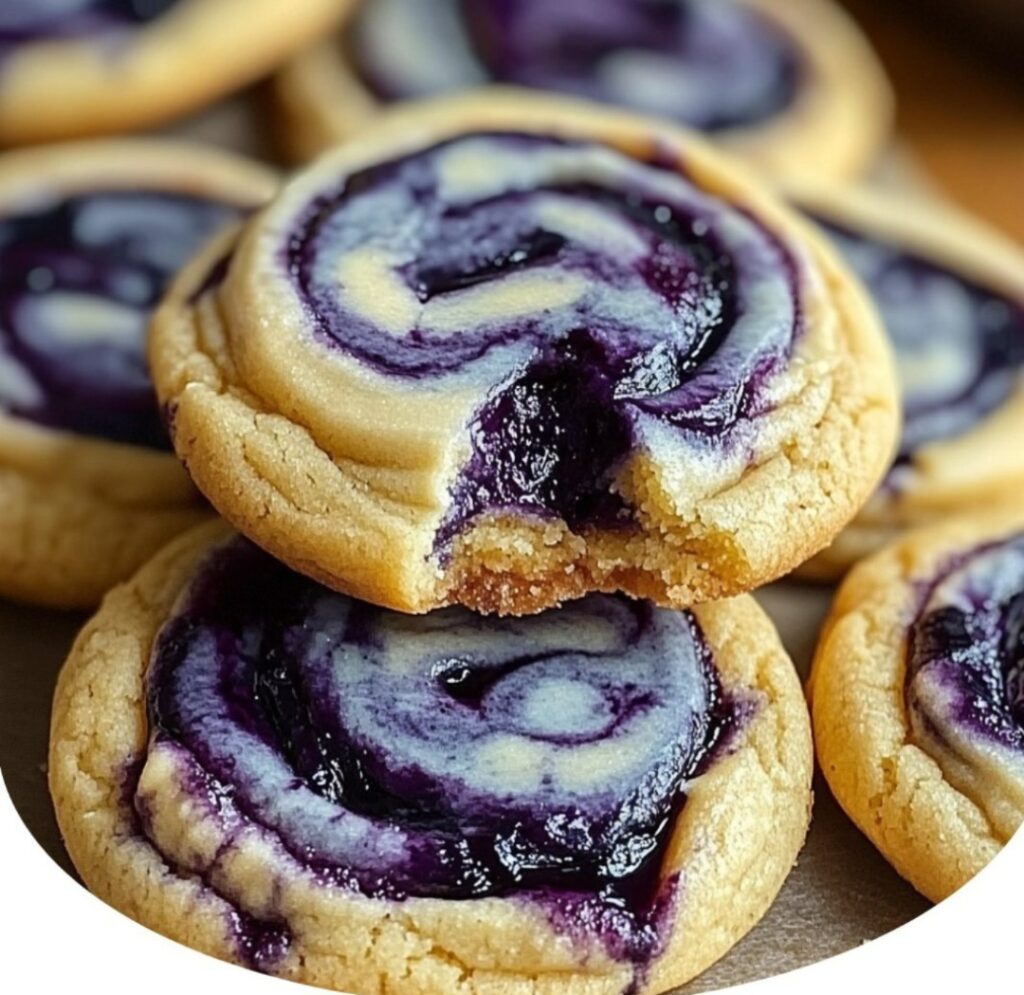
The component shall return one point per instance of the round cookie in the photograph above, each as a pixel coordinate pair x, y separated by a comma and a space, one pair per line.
916, 698
600, 798
82, 67
505, 350
791, 86
90, 234
951, 294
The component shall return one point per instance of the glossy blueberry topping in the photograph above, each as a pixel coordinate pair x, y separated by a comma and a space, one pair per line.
449, 755
965, 667
33, 20
589, 299
713, 64
78, 279
960, 346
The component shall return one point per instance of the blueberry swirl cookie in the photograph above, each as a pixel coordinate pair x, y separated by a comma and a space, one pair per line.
501, 354
598, 798
82, 67
918, 698
90, 235
951, 295
790, 84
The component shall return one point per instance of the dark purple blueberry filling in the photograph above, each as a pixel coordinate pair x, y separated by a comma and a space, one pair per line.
548, 444
713, 64
78, 279
24, 21
663, 334
960, 346
447, 755
973, 649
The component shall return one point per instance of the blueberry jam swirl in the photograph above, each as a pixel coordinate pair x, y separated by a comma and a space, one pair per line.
965, 675
959, 346
36, 20
79, 276
595, 302
451, 755
713, 64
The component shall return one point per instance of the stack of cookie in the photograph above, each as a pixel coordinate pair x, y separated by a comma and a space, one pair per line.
501, 409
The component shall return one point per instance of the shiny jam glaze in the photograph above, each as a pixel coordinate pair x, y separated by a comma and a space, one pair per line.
451, 755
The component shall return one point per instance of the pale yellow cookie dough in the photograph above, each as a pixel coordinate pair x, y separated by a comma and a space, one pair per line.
980, 468
836, 126
80, 513
199, 50
732, 845
937, 819
344, 473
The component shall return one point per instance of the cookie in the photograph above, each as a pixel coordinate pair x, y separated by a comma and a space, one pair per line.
600, 798
917, 702
790, 85
90, 234
83, 67
503, 351
951, 295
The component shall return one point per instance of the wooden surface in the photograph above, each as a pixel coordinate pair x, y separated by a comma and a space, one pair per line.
964, 122
960, 105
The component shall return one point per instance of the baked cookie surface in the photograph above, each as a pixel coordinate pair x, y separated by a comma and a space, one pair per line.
90, 234
786, 84
916, 698
951, 295
599, 798
506, 350
71, 68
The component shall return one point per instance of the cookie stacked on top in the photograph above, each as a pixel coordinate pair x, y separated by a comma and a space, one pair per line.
501, 397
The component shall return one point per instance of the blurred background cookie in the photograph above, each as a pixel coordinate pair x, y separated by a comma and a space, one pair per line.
89, 236
951, 296
83, 67
789, 84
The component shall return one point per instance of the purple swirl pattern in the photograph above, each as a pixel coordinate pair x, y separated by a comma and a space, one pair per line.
960, 346
450, 755
965, 671
79, 276
713, 64
594, 300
